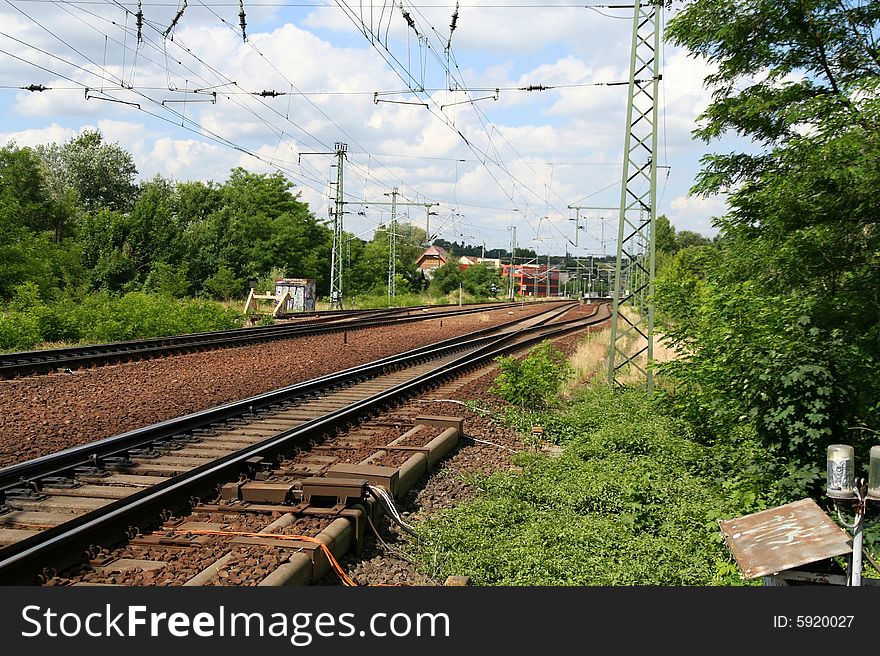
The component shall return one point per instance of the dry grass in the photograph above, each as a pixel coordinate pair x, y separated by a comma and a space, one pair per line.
590, 360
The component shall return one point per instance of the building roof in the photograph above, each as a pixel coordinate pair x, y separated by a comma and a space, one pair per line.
433, 252
436, 250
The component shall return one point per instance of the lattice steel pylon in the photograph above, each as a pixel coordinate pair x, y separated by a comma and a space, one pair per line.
338, 232
392, 246
631, 352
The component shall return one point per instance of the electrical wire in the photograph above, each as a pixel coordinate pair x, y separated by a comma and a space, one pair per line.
329, 5
393, 550
203, 132
387, 502
484, 157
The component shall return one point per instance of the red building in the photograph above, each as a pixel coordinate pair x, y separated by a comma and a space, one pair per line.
533, 279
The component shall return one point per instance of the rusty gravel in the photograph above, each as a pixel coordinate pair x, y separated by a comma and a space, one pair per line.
43, 414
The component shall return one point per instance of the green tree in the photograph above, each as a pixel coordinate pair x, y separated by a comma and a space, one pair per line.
153, 230
100, 174
483, 280
446, 278
665, 235
105, 251
369, 264
783, 329
688, 239
27, 214
22, 177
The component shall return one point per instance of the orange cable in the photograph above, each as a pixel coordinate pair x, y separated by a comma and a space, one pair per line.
282, 536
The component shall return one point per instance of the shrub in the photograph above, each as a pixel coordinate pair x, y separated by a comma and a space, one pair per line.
104, 317
19, 331
536, 380
57, 323
632, 500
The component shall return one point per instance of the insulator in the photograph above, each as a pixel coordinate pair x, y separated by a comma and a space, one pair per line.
241, 20
174, 20
139, 21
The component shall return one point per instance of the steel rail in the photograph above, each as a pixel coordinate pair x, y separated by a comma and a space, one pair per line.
62, 462
35, 362
22, 562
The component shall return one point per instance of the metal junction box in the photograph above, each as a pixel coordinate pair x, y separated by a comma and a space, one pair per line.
295, 294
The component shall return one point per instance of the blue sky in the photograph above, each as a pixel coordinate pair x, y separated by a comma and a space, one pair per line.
531, 154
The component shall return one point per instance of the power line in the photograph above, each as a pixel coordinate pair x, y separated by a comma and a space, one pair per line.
490, 157
350, 137
330, 5
201, 131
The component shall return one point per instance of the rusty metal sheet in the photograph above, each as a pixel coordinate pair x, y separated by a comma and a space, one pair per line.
781, 538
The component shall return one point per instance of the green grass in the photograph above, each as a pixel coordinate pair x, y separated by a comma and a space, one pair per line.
633, 499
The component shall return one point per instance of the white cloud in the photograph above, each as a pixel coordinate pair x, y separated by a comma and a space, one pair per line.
696, 213
37, 136
420, 153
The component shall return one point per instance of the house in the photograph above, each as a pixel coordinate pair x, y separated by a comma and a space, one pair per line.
470, 260
432, 259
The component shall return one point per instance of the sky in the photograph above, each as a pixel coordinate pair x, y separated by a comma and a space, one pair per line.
183, 99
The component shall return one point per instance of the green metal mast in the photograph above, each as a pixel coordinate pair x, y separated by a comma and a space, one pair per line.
338, 233
392, 246
632, 332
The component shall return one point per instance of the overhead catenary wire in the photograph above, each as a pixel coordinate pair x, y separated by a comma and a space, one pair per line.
294, 88
225, 82
330, 5
197, 130
498, 161
520, 194
528, 88
301, 175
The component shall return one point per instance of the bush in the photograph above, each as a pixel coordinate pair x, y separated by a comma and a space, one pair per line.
536, 380
57, 323
103, 317
138, 315
19, 331
632, 500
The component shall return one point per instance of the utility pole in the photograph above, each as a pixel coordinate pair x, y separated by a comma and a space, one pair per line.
634, 265
392, 232
511, 280
548, 274
392, 246
590, 276
338, 232
577, 219
428, 213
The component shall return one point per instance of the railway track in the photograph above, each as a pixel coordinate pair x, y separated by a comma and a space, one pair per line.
61, 506
26, 363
